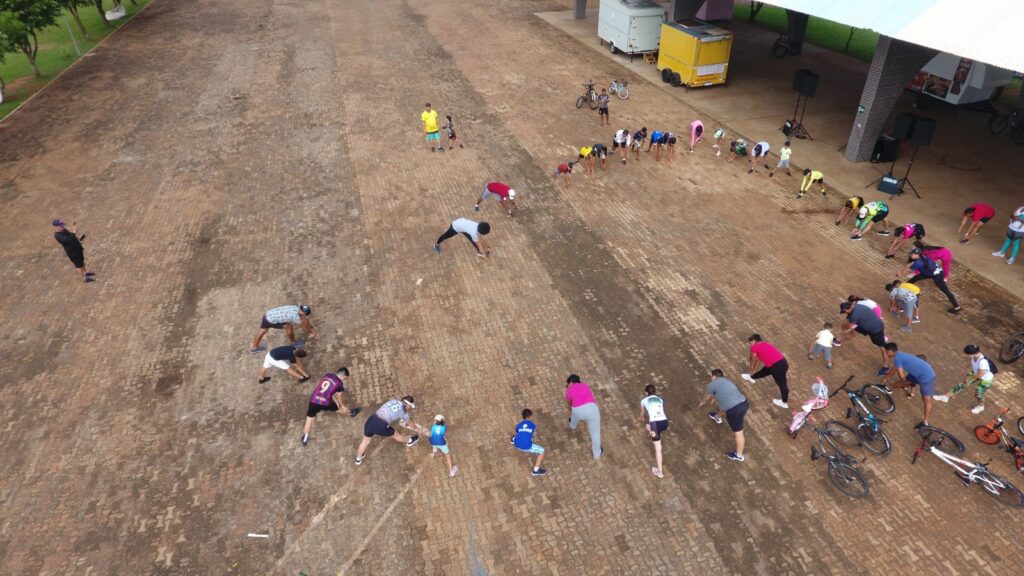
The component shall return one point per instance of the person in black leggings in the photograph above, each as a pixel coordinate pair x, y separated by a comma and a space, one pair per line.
924, 267
473, 231
772, 363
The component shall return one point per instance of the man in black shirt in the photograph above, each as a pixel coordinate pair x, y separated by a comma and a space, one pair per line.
72, 244
287, 358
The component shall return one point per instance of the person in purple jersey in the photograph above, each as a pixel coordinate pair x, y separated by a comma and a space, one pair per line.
328, 396
379, 424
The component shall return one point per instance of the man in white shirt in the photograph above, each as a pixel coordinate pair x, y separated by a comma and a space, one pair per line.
622, 141
474, 231
655, 422
981, 376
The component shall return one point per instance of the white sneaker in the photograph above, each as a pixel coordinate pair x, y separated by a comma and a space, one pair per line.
747, 378
1000, 254
941, 398
1011, 260
455, 470
778, 402
978, 409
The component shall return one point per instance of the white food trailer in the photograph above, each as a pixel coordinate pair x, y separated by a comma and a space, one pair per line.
630, 26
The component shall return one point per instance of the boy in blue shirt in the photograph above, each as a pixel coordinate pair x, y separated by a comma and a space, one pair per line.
439, 443
523, 441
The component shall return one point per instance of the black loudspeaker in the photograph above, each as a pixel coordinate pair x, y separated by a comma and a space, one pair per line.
787, 128
886, 149
889, 184
924, 129
809, 85
798, 78
904, 126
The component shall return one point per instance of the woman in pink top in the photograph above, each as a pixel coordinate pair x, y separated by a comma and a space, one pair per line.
939, 254
696, 132
901, 235
583, 408
773, 363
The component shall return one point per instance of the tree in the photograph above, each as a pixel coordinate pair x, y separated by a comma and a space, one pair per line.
29, 17
8, 23
72, 7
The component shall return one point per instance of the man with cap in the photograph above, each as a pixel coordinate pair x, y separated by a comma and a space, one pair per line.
284, 317
328, 396
980, 375
863, 320
72, 244
921, 267
473, 231
379, 424
503, 193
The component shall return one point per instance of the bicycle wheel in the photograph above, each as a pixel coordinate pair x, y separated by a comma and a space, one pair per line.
1018, 134
780, 49
592, 100
1020, 424
579, 102
878, 398
1012, 350
874, 440
848, 480
998, 122
987, 435
842, 433
623, 92
998, 488
941, 439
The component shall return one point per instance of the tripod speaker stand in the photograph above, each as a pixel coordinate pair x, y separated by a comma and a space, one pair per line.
913, 130
805, 83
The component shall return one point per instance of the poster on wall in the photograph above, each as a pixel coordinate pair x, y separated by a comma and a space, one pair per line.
960, 77
937, 86
917, 84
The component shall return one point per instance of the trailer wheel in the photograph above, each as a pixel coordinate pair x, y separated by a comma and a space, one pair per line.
676, 79
612, 48
666, 75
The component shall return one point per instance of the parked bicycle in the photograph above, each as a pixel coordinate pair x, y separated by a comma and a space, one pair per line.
589, 96
933, 439
618, 87
993, 433
1013, 349
783, 47
841, 466
1014, 120
869, 427
818, 402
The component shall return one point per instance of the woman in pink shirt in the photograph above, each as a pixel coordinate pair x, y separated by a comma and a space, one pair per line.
773, 363
583, 408
938, 254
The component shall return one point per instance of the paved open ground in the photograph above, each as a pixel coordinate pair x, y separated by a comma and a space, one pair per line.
229, 156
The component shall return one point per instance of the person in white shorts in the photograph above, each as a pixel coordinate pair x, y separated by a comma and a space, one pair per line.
287, 358
655, 423
760, 150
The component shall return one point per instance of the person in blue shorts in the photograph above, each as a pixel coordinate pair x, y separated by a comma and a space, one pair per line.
730, 400
658, 139
439, 443
523, 441
914, 371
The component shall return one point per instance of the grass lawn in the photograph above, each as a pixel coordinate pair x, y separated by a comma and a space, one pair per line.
820, 32
56, 53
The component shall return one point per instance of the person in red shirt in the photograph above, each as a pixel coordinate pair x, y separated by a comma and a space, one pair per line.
503, 193
979, 214
772, 362
566, 168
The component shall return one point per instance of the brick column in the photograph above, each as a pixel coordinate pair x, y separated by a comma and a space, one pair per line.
579, 10
894, 64
683, 9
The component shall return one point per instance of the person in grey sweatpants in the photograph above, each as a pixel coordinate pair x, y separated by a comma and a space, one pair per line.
583, 408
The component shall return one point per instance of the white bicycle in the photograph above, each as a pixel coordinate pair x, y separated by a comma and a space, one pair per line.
618, 87
967, 472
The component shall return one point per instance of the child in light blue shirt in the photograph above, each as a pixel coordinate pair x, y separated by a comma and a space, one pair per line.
439, 443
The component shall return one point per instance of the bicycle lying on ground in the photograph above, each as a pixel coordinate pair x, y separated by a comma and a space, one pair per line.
869, 427
993, 432
618, 87
589, 96
1012, 349
841, 470
1015, 120
969, 473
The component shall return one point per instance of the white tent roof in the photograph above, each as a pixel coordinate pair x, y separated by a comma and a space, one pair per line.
988, 31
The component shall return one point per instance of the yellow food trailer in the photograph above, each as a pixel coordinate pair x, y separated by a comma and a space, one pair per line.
694, 53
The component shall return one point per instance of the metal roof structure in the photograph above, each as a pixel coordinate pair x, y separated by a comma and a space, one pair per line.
988, 31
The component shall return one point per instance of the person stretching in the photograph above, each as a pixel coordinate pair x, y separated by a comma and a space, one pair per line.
979, 215
473, 231
655, 423
1013, 235
773, 362
503, 193
696, 132
811, 177
850, 207
901, 235
921, 267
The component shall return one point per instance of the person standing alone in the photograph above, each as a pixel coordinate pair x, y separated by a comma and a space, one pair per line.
583, 408
71, 242
773, 363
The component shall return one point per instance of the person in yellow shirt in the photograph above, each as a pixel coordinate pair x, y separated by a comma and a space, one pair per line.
850, 207
429, 118
811, 177
588, 157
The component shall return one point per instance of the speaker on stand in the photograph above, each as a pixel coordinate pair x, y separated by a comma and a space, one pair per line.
911, 129
805, 83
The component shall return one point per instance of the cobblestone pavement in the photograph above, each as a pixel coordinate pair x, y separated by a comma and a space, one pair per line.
225, 157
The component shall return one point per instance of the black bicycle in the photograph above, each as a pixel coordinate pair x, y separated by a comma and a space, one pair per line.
589, 96
869, 427
841, 466
1014, 120
783, 47
1013, 349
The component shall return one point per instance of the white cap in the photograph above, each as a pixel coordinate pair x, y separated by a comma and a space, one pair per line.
438, 418
862, 212
511, 193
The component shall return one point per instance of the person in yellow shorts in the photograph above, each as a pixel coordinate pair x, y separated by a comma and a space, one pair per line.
429, 118
811, 177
